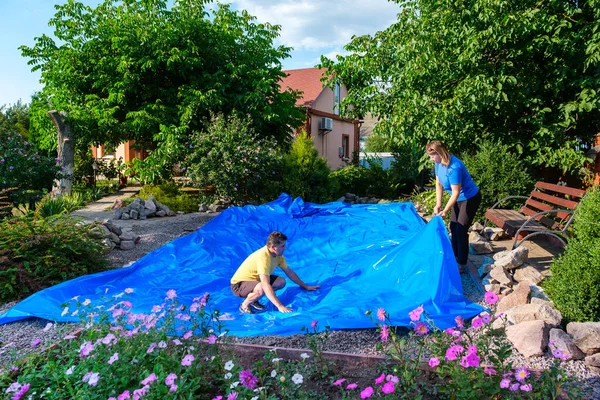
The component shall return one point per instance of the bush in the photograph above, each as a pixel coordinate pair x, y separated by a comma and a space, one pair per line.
373, 181
37, 252
575, 281
169, 195
404, 171
305, 173
498, 173
232, 158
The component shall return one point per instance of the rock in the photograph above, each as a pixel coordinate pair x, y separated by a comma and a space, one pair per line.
505, 290
593, 360
117, 204
99, 232
493, 287
150, 205
114, 238
484, 269
134, 214
480, 247
341, 199
586, 336
112, 227
118, 213
476, 227
532, 312
499, 274
126, 244
216, 208
181, 212
535, 300
538, 292
476, 237
204, 207
530, 338
527, 274
500, 254
564, 342
518, 297
513, 259
108, 243
125, 216
161, 213
494, 234
126, 236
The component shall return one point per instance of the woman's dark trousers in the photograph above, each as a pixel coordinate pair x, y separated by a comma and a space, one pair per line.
461, 219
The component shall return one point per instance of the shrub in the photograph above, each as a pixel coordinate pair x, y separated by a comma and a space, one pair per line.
305, 173
371, 180
169, 195
37, 252
404, 171
232, 158
424, 201
575, 281
498, 173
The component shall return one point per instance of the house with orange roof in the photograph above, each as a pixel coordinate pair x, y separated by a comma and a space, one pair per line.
335, 138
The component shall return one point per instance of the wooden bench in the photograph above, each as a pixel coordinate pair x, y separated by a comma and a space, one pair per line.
547, 211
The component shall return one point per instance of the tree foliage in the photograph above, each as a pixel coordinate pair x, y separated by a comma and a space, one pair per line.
15, 119
524, 73
144, 71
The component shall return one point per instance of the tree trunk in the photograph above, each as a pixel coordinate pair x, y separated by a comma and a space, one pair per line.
66, 152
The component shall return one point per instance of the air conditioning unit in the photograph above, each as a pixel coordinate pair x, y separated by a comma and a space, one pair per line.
326, 124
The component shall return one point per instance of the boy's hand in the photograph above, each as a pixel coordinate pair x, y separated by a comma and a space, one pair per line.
311, 288
284, 309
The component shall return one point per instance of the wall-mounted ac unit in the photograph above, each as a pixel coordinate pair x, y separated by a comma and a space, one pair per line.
326, 124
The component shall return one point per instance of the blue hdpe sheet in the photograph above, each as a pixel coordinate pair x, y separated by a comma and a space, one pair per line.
363, 256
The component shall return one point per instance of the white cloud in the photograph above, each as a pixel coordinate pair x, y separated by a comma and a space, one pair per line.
321, 24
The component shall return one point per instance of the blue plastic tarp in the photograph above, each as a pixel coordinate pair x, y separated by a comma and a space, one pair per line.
363, 256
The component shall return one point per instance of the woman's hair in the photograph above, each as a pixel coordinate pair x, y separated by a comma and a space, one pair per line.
276, 238
436, 146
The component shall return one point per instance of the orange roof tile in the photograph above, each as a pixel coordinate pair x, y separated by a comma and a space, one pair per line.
307, 80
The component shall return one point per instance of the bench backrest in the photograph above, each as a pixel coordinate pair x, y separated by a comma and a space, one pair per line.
548, 196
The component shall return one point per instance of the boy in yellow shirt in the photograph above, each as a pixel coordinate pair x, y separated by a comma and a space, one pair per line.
254, 277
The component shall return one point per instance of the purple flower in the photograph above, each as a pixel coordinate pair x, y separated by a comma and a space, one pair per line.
368, 392
339, 382
170, 379
35, 342
514, 386
388, 388
313, 324
21, 392
212, 339
232, 396
351, 386
526, 387
557, 353
385, 333
521, 374
453, 352
187, 360
505, 383
171, 294
247, 379
434, 362
149, 379
421, 328
460, 322
415, 314
381, 314
491, 297
477, 322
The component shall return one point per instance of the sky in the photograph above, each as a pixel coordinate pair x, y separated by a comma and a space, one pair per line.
313, 28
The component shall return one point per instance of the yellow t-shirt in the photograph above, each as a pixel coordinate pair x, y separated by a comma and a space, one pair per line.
259, 262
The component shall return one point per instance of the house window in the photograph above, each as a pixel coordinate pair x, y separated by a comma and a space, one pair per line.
336, 99
346, 146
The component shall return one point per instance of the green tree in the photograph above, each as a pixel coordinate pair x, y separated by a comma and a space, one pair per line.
15, 119
524, 73
377, 144
145, 71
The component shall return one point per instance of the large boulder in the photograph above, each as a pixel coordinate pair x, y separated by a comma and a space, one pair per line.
530, 338
533, 312
514, 259
518, 297
586, 336
499, 274
529, 274
564, 342
593, 360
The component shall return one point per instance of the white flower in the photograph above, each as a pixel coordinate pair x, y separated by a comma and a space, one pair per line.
304, 356
74, 298
162, 344
48, 326
276, 359
234, 384
254, 398
86, 302
118, 296
273, 374
64, 311
297, 379
228, 375
70, 370
74, 313
229, 365
129, 290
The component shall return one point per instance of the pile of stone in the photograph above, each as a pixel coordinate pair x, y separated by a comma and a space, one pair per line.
532, 322
217, 206
354, 199
114, 236
141, 209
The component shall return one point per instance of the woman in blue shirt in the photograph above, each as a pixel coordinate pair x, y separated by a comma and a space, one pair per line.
452, 176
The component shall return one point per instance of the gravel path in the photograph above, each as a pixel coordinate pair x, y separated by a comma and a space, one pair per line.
16, 338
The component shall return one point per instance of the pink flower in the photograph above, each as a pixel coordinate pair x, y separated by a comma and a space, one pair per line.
171, 294
86, 349
385, 333
472, 349
505, 383
247, 379
368, 392
415, 314
526, 387
188, 335
514, 387
113, 358
21, 392
434, 362
173, 388
139, 393
392, 378
477, 322
421, 329
453, 352
473, 360
35, 342
460, 322
232, 396
489, 371
388, 388
381, 314
212, 339
380, 379
124, 396
486, 318
187, 360
351, 386
128, 290
491, 297
218, 398
339, 382
313, 324
449, 331
170, 379
149, 379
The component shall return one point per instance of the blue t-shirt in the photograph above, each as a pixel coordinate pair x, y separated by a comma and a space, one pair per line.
456, 174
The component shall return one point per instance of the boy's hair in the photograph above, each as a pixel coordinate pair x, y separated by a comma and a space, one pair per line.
276, 238
436, 146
